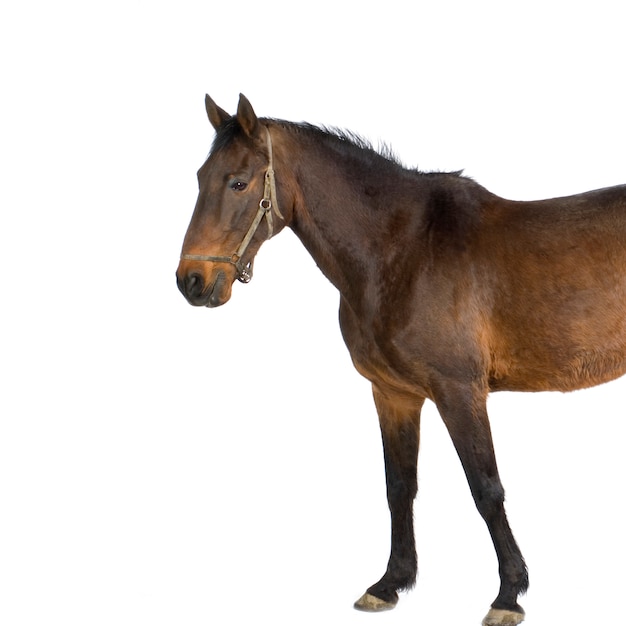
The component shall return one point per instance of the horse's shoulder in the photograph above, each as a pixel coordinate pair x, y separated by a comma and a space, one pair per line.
454, 207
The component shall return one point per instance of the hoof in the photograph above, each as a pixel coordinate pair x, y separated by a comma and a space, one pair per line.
500, 617
368, 602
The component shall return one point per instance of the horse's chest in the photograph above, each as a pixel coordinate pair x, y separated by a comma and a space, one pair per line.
379, 358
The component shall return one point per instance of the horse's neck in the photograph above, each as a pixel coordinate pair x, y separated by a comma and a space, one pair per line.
337, 223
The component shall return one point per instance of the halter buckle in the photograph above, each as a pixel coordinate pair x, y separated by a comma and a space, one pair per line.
245, 274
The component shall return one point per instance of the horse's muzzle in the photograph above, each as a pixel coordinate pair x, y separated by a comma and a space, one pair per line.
198, 293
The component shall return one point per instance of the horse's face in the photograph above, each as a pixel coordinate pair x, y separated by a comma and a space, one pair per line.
231, 185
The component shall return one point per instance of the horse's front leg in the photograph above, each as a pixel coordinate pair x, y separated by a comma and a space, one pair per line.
399, 424
464, 412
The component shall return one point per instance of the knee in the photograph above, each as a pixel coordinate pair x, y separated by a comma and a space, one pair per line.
401, 489
489, 499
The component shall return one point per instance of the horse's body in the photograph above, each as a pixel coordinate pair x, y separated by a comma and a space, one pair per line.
447, 292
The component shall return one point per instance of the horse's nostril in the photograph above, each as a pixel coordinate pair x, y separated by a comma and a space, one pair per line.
191, 285
195, 284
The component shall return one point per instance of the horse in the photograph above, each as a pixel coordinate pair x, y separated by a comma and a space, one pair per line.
447, 293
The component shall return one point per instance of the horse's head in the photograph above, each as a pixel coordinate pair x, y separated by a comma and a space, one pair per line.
237, 207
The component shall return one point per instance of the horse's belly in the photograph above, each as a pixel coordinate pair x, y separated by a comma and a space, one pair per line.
585, 368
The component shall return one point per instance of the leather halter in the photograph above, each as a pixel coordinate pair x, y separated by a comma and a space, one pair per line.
267, 204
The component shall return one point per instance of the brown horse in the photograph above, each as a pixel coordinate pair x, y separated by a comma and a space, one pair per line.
447, 292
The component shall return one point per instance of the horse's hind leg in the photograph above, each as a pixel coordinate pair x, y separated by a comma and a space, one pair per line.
465, 414
399, 424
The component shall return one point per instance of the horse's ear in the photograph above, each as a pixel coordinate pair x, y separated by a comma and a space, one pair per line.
246, 116
217, 115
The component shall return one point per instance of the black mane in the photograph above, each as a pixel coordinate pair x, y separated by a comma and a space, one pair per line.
348, 143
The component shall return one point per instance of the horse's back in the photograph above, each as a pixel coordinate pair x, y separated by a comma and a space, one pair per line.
596, 211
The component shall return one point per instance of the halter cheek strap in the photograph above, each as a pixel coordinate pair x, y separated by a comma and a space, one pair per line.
267, 205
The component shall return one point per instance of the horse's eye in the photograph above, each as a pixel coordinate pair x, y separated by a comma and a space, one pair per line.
238, 185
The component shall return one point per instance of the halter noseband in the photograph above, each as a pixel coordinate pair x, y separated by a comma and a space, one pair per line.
268, 203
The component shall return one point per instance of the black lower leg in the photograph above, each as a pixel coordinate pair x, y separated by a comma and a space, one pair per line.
400, 443
468, 425
489, 498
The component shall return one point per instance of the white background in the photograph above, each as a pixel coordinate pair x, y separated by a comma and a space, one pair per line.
166, 465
